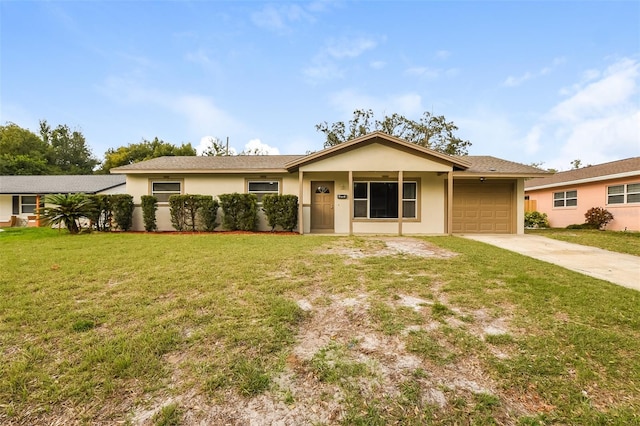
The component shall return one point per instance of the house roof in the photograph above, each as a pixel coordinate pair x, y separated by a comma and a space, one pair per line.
56, 184
378, 137
605, 171
483, 166
487, 166
223, 164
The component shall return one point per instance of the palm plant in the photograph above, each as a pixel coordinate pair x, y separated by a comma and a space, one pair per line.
67, 210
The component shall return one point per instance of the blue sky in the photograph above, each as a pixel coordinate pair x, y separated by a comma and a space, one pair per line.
536, 81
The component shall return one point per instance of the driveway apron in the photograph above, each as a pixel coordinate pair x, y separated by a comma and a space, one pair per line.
617, 268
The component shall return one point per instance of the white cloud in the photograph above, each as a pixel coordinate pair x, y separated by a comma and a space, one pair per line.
278, 18
349, 47
257, 146
512, 81
325, 65
423, 72
206, 143
600, 122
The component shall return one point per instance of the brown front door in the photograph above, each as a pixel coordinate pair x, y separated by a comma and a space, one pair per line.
322, 206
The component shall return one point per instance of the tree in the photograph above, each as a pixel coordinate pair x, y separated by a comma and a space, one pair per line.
67, 210
22, 152
430, 131
69, 153
215, 149
145, 150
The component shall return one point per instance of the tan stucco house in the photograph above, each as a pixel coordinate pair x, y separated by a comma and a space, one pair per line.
566, 196
375, 184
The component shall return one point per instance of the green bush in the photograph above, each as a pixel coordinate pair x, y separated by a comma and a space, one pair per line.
240, 211
209, 213
581, 226
597, 217
149, 207
186, 212
281, 210
122, 208
536, 220
101, 212
66, 209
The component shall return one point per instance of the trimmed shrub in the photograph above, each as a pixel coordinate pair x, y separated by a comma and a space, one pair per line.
122, 208
101, 212
208, 214
149, 207
581, 226
240, 211
281, 210
597, 217
186, 211
536, 220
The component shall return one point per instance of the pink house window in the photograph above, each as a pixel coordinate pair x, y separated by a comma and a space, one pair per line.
565, 199
623, 194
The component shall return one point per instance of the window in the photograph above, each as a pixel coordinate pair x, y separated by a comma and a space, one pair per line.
163, 190
621, 194
379, 200
25, 204
28, 204
565, 199
260, 188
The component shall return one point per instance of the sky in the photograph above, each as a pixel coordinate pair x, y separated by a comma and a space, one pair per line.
528, 81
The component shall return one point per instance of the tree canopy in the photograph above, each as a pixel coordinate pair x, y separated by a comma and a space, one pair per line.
145, 150
55, 151
430, 131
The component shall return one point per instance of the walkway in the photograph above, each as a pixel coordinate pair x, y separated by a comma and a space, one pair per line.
618, 268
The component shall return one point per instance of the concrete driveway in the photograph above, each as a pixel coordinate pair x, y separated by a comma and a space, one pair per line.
618, 268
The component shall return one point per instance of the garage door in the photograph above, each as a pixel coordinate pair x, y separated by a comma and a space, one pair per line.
483, 207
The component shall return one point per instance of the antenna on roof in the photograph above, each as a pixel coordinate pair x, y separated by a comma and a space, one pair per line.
227, 146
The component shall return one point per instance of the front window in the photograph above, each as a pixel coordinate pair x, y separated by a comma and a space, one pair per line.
28, 203
261, 188
565, 199
163, 190
621, 194
379, 200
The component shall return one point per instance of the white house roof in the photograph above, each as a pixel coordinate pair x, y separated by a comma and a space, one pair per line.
57, 184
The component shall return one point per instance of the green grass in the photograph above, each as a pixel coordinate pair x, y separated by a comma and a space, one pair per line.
621, 242
94, 326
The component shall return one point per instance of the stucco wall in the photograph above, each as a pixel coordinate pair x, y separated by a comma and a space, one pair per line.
590, 195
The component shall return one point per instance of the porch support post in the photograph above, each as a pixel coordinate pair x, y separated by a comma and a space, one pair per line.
38, 210
400, 195
350, 202
450, 202
300, 201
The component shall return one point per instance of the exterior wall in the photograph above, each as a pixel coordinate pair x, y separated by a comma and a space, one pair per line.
431, 204
6, 207
593, 194
378, 158
213, 185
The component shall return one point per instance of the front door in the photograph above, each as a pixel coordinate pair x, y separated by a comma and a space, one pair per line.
322, 206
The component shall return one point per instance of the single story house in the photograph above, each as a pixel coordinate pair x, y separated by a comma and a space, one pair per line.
375, 184
20, 196
566, 196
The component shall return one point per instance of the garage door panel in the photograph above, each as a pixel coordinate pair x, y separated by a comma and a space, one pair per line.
486, 207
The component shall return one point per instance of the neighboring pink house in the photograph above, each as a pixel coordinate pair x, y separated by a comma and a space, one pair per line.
566, 196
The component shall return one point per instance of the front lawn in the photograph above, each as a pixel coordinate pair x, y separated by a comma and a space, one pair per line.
621, 242
240, 329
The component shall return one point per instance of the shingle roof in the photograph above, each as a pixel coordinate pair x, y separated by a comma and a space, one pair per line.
89, 184
486, 164
621, 167
223, 163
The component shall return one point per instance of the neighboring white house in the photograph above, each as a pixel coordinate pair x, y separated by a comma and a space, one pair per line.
375, 184
21, 195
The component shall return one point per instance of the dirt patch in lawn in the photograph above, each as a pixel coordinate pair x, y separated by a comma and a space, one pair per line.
359, 248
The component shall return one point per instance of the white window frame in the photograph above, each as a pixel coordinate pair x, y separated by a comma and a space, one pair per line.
565, 199
161, 194
31, 208
624, 194
368, 200
261, 193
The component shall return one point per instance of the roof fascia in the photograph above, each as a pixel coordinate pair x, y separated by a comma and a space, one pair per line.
196, 171
373, 138
463, 174
586, 180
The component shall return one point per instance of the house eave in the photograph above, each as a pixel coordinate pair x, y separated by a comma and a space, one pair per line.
585, 180
197, 171
498, 175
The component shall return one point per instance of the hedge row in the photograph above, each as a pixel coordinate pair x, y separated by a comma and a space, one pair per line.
239, 212
113, 211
